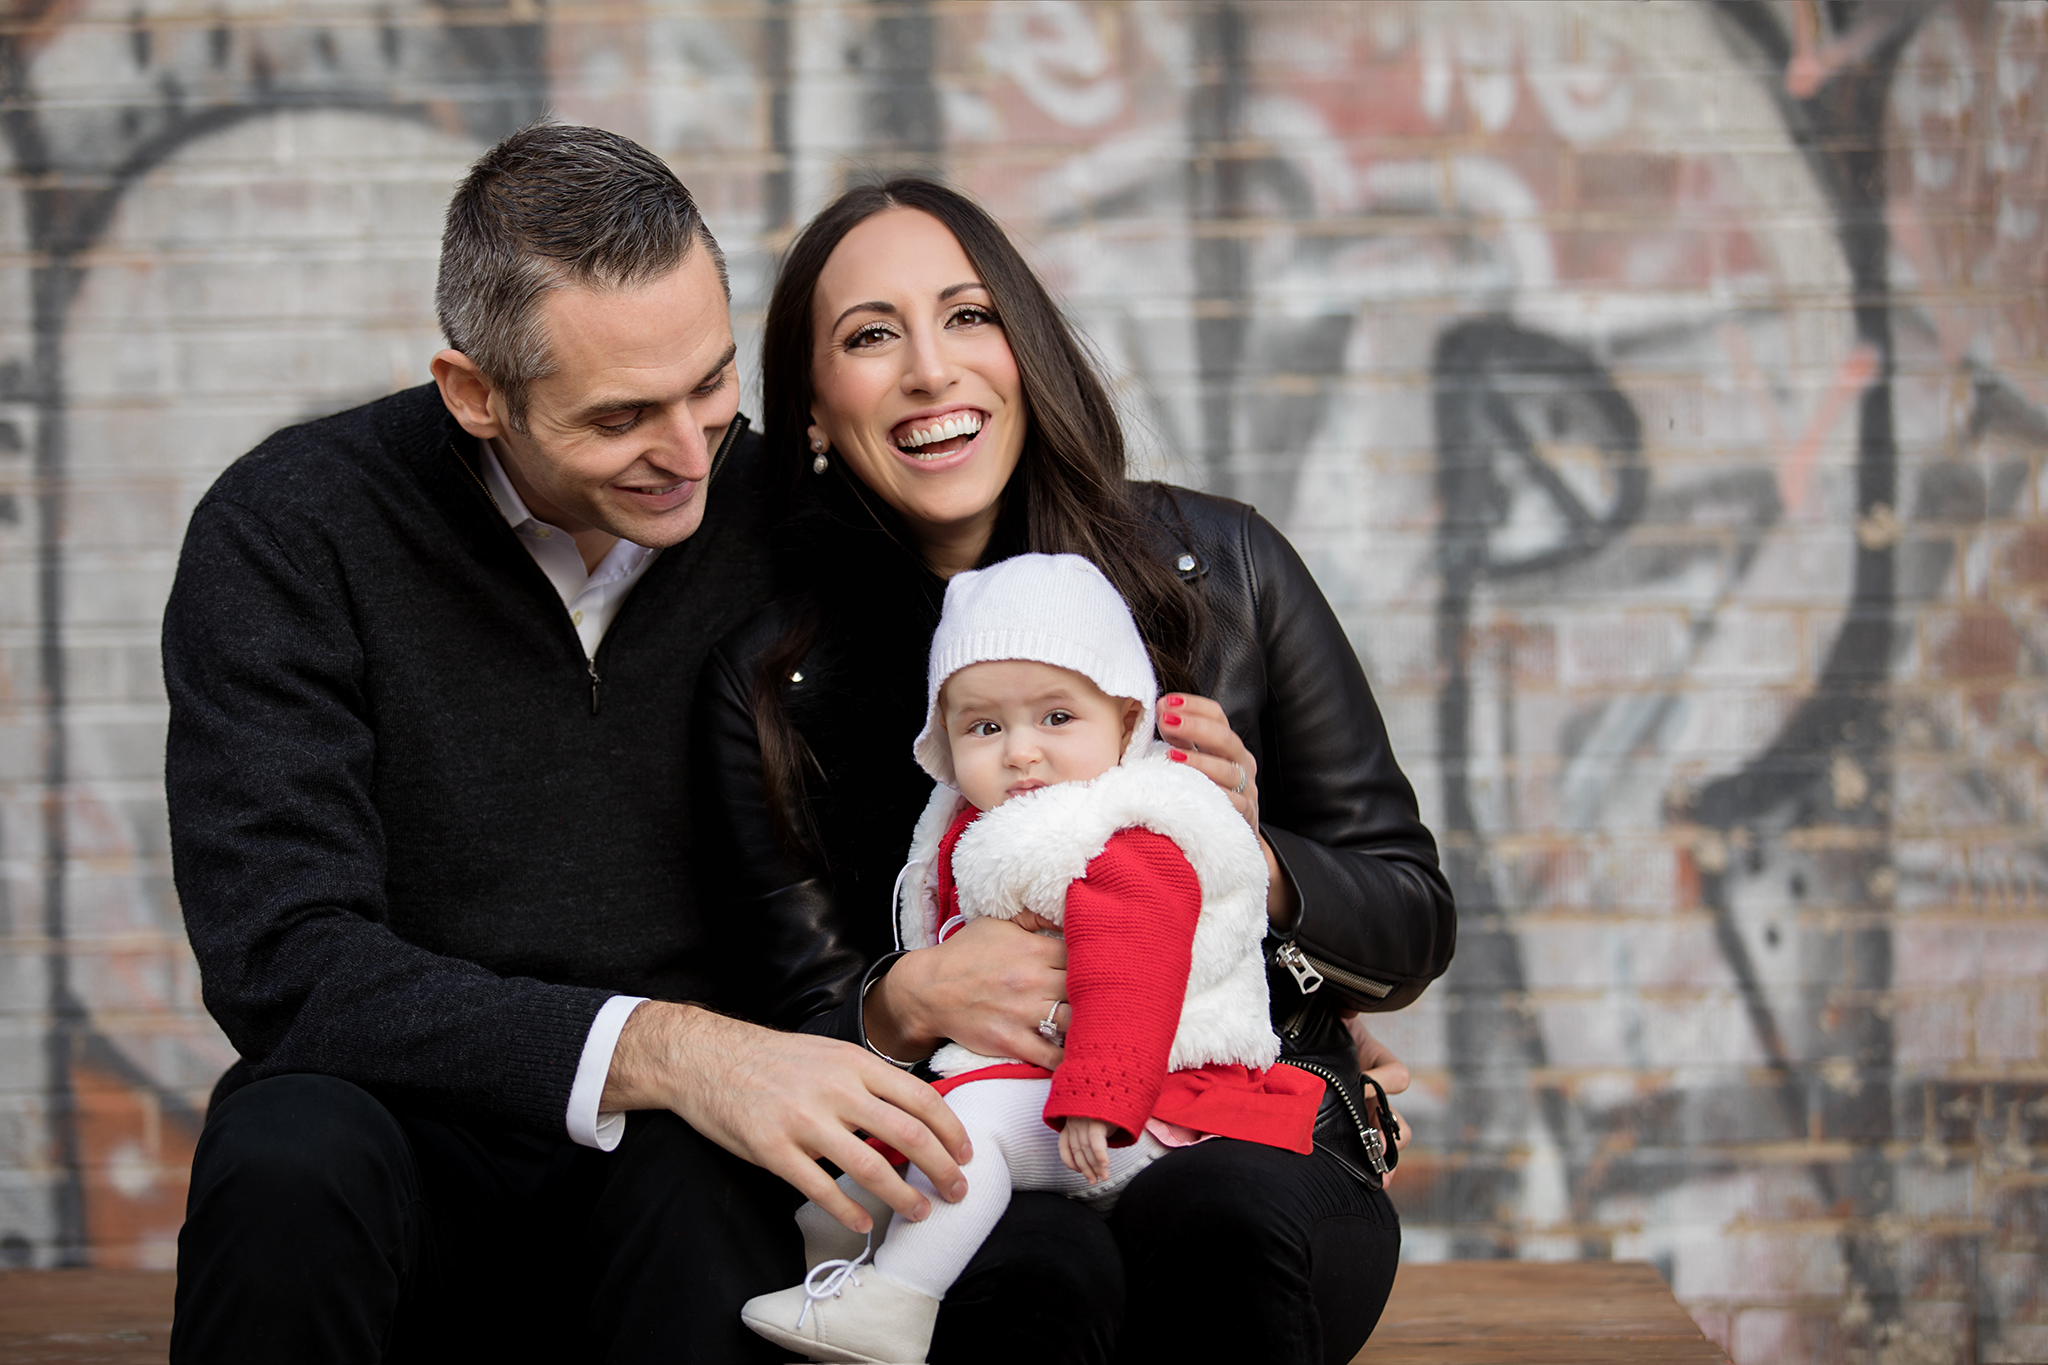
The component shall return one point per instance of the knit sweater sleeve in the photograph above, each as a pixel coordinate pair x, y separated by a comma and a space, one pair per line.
1130, 931
279, 852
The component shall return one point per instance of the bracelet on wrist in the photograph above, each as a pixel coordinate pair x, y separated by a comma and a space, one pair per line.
875, 974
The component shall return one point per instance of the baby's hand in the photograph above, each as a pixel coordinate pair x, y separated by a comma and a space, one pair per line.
1084, 1146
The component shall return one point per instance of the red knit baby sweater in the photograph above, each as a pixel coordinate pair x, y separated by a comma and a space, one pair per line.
1129, 923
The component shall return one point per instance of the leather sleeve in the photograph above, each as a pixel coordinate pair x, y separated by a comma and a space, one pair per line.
792, 964
1335, 806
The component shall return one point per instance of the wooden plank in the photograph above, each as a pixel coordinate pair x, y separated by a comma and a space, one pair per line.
1535, 1313
85, 1317
1454, 1313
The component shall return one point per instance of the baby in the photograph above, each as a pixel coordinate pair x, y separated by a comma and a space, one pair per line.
1057, 810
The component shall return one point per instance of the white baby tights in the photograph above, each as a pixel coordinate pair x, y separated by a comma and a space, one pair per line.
1013, 1149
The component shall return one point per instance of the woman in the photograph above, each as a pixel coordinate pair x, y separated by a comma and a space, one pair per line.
928, 410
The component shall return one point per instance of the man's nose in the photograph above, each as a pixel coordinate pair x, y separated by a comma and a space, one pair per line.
679, 445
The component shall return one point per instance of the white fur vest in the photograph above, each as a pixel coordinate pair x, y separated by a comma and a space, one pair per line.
1026, 852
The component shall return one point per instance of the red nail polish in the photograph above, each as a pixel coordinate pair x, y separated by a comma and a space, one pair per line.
1177, 756
1169, 720
1175, 701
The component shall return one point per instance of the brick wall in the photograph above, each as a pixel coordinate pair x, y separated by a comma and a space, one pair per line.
1657, 389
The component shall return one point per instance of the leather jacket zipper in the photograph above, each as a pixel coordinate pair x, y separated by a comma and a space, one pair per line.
1309, 974
1369, 1134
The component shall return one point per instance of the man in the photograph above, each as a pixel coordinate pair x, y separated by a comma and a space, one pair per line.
429, 664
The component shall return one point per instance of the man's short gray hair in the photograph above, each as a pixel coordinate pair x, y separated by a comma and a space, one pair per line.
554, 204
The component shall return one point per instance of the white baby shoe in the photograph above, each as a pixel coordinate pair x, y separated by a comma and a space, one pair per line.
827, 1239
848, 1311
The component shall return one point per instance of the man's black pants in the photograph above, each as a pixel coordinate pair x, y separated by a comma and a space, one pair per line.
323, 1226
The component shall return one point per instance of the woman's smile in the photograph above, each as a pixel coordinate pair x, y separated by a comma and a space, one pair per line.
931, 437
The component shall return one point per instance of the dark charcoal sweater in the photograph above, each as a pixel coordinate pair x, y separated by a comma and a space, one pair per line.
409, 853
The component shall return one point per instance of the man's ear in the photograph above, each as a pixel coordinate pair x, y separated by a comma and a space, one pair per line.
466, 393
1132, 710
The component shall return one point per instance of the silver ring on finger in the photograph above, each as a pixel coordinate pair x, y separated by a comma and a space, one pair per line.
1244, 780
1050, 1031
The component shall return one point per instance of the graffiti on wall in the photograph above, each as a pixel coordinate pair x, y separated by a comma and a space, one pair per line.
1655, 390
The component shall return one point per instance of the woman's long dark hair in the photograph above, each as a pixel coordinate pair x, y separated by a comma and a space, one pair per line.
1070, 494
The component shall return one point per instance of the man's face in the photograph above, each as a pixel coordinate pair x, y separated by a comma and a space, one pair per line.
619, 438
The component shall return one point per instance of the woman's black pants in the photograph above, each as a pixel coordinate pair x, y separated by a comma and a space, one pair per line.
325, 1226
1221, 1252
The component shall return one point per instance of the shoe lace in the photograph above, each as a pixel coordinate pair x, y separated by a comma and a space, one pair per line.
835, 1274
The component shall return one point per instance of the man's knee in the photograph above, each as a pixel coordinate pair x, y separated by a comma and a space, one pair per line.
278, 1148
664, 1161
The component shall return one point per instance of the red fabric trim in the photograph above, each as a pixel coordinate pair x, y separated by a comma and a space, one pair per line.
942, 875
1276, 1106
1002, 1071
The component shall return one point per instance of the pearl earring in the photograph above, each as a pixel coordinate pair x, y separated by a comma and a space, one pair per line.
818, 460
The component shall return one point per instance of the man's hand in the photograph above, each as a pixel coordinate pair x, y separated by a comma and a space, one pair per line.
785, 1100
1390, 1071
1373, 1057
1084, 1146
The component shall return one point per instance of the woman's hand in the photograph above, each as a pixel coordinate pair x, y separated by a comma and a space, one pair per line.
986, 988
1390, 1071
1202, 738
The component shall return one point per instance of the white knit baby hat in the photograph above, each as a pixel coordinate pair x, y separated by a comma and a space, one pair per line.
1051, 609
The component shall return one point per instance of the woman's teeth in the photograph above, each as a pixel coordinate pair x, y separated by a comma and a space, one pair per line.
946, 429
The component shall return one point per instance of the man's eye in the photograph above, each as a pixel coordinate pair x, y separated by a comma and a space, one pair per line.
618, 423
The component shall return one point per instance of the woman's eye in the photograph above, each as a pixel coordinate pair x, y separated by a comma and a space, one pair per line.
874, 334
972, 316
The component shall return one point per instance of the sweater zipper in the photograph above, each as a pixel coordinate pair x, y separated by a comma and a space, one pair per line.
733, 431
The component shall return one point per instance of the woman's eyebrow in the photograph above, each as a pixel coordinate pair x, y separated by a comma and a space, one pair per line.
950, 290
876, 306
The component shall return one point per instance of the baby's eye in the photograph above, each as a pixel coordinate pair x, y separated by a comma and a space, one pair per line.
1058, 717
982, 729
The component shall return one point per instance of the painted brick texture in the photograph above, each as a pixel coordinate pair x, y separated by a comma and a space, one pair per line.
1658, 391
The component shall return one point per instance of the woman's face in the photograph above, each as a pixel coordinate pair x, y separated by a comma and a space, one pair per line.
913, 382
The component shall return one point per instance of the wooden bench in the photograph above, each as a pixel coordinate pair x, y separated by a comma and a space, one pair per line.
1455, 1313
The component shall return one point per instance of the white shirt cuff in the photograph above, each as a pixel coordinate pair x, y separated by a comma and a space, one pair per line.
587, 1127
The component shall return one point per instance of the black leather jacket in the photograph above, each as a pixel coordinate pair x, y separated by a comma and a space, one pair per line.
1376, 913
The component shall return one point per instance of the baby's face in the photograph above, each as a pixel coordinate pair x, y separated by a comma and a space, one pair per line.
1016, 726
